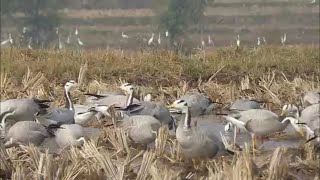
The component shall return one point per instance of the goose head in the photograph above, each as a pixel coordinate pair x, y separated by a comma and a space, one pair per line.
290, 110
180, 104
301, 128
3, 118
147, 97
70, 85
228, 127
126, 87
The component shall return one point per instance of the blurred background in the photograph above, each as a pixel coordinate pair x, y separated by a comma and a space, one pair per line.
129, 24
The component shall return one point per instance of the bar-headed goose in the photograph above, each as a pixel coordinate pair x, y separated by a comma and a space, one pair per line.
196, 141
310, 116
24, 109
141, 129
245, 104
63, 115
83, 113
69, 135
151, 108
241, 105
25, 132
109, 98
198, 103
260, 122
311, 97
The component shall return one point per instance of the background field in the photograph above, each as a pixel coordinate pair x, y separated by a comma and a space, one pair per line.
277, 75
101, 23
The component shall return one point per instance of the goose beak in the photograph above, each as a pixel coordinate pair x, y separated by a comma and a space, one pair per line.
283, 112
171, 106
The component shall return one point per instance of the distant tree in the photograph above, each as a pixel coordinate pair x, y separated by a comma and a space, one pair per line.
180, 15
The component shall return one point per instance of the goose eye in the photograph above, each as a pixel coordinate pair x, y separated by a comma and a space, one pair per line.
180, 101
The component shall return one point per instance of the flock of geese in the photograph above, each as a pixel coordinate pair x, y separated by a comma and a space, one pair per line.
31, 121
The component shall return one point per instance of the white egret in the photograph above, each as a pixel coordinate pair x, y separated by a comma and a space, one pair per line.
124, 35
159, 39
238, 41
151, 39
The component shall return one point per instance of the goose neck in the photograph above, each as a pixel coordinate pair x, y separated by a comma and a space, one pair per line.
69, 104
187, 119
129, 98
3, 118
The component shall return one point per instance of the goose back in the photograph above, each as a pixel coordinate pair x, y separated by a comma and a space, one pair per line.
25, 132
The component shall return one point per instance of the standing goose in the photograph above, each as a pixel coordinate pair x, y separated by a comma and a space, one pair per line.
241, 105
196, 142
260, 122
311, 97
63, 115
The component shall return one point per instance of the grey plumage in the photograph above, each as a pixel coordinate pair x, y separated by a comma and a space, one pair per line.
311, 97
24, 108
141, 129
196, 141
83, 113
198, 103
64, 115
154, 109
244, 104
69, 134
25, 132
258, 121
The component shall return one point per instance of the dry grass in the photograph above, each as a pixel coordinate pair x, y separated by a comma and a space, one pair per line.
278, 75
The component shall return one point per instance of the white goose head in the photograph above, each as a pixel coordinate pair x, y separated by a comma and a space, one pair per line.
290, 110
126, 87
70, 85
147, 97
180, 104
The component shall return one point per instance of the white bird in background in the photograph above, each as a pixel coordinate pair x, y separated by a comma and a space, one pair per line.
203, 44
258, 42
264, 40
313, 1
68, 39
167, 33
238, 41
151, 39
24, 30
57, 30
283, 38
124, 35
76, 32
210, 42
60, 43
159, 39
9, 40
29, 43
80, 42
